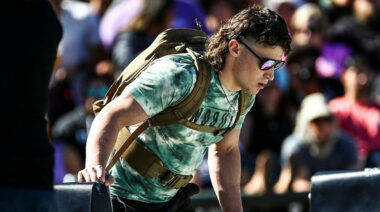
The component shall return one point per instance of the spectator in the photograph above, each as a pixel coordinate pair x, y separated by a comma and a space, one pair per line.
375, 94
70, 131
329, 67
265, 128
218, 11
154, 18
357, 113
81, 45
308, 25
30, 34
115, 19
336, 9
60, 96
315, 145
360, 31
285, 8
303, 77
80, 49
100, 6
331, 62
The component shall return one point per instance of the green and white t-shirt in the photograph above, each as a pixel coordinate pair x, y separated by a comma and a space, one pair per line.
167, 82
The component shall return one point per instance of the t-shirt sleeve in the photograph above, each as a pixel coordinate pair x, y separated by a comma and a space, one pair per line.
240, 122
166, 82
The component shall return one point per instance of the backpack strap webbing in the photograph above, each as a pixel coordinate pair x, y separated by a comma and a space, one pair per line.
179, 113
243, 103
123, 147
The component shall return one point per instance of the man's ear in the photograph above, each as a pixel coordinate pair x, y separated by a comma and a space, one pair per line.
233, 47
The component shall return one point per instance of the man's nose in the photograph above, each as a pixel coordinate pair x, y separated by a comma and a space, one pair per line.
269, 74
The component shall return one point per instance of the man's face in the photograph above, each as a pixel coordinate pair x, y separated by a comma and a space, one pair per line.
357, 78
308, 32
253, 58
322, 128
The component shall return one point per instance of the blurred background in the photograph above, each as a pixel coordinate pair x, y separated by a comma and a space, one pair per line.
321, 113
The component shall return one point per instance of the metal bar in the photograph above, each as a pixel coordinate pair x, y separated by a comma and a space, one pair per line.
207, 198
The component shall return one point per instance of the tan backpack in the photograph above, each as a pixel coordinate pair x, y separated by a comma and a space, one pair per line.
171, 41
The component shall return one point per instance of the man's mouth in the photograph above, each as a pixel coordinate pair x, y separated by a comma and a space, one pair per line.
261, 85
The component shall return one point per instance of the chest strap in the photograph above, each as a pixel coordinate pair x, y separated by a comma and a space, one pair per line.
146, 163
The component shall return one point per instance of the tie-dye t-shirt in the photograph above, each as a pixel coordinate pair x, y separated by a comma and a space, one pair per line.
165, 83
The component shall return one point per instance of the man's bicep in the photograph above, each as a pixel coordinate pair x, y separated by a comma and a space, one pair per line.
229, 142
126, 110
163, 84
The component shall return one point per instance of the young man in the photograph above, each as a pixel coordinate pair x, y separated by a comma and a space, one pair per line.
243, 54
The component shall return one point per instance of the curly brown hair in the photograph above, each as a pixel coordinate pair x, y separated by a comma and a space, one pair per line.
262, 25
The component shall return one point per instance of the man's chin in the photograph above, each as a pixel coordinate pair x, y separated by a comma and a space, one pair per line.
251, 91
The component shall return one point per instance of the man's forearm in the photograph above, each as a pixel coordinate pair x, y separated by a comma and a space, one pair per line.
225, 168
101, 139
122, 111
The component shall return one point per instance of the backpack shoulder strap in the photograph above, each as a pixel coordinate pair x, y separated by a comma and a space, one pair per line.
179, 113
243, 103
171, 41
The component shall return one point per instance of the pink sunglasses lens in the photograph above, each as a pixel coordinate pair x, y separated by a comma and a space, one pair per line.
268, 64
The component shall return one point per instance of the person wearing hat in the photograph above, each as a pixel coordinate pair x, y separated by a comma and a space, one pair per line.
316, 144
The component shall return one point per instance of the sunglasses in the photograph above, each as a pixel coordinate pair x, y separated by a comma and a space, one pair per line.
265, 64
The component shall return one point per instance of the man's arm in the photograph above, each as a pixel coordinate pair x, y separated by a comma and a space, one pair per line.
225, 167
122, 111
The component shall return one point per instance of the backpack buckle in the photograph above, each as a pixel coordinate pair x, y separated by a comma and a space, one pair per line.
174, 180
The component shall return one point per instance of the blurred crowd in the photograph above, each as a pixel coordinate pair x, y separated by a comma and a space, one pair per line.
321, 113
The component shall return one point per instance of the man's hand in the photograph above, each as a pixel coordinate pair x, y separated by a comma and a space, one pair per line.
120, 112
94, 174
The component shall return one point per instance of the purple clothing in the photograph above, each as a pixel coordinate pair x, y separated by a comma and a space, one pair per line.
185, 13
116, 18
122, 14
332, 60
